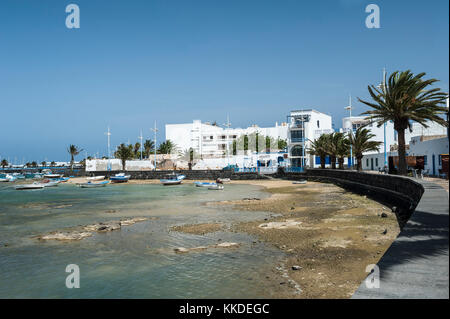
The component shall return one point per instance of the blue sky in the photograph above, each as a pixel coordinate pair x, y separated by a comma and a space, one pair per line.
134, 62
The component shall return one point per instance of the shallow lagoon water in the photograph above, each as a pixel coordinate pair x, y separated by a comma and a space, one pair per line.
138, 261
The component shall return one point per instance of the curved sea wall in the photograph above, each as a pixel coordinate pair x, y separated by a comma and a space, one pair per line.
400, 193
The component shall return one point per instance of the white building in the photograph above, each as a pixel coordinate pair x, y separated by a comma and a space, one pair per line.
305, 126
431, 147
210, 140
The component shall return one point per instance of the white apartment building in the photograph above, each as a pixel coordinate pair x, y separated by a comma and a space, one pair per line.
305, 126
214, 141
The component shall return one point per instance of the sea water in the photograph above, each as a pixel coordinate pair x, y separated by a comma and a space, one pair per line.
137, 261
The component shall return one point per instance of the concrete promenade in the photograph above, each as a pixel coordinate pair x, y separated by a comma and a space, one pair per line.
417, 263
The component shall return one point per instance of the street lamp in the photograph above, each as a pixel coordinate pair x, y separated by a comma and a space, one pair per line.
382, 86
349, 108
154, 130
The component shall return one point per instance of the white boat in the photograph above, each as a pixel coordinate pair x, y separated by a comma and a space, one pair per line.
53, 175
120, 178
4, 180
216, 187
222, 180
95, 178
172, 179
49, 183
204, 184
93, 185
299, 182
35, 185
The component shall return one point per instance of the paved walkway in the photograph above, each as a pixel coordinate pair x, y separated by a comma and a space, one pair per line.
417, 263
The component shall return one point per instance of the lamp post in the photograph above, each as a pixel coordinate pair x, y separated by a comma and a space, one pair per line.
141, 137
349, 108
382, 86
154, 130
109, 147
227, 125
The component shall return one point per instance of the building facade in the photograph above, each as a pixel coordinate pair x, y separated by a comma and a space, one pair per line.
210, 141
305, 126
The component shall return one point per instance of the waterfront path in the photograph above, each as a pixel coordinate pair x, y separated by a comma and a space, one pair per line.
417, 263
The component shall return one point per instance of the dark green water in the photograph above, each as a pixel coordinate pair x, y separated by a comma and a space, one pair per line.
137, 261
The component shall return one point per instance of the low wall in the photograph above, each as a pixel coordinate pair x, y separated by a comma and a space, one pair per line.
190, 174
400, 193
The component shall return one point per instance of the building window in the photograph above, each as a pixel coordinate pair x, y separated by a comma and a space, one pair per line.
297, 151
440, 160
318, 124
425, 160
296, 134
376, 162
367, 162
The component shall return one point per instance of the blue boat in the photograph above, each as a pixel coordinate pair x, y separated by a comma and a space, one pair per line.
205, 184
172, 179
119, 178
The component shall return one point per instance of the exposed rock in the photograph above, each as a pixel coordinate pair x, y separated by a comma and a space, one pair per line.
384, 215
65, 236
295, 267
289, 223
227, 245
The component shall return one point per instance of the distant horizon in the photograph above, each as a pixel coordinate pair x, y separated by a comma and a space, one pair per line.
131, 64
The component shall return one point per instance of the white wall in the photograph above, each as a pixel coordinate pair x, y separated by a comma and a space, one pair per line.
431, 149
116, 165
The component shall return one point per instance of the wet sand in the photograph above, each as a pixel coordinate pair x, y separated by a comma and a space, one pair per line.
329, 235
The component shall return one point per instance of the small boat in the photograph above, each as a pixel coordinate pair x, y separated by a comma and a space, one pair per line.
18, 175
216, 187
10, 178
35, 185
303, 181
4, 180
95, 178
93, 185
172, 179
120, 178
62, 179
222, 180
49, 183
52, 175
204, 184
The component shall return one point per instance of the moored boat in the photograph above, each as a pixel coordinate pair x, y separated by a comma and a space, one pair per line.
204, 184
172, 179
216, 187
119, 178
300, 182
50, 183
93, 185
95, 178
34, 185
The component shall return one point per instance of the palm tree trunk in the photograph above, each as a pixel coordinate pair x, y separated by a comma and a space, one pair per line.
401, 152
322, 162
359, 163
71, 162
333, 162
341, 162
124, 161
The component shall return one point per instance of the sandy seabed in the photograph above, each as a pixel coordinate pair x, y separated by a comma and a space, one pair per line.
329, 235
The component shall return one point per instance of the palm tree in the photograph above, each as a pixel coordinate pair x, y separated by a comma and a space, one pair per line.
73, 151
44, 163
124, 152
4, 163
166, 147
361, 143
149, 146
342, 148
34, 164
319, 147
53, 163
405, 98
137, 147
